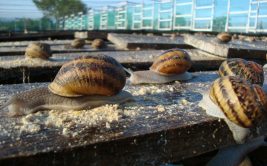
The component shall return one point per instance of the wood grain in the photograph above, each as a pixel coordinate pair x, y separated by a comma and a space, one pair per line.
142, 135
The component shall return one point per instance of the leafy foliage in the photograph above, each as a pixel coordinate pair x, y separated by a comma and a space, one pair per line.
60, 8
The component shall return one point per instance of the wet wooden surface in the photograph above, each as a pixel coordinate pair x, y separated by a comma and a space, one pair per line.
233, 49
162, 124
132, 41
17, 69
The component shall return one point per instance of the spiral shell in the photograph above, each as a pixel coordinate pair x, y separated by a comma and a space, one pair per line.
38, 50
224, 37
241, 102
77, 43
174, 61
248, 70
90, 75
98, 43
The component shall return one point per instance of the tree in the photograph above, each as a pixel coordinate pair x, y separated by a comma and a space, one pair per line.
60, 8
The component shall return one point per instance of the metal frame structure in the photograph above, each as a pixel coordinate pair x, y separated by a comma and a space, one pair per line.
91, 19
148, 9
162, 12
175, 15
121, 16
104, 17
195, 18
255, 15
137, 16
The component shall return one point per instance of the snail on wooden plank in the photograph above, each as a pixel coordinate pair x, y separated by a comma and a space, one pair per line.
236, 155
77, 43
249, 70
170, 66
82, 83
38, 50
224, 37
241, 104
98, 43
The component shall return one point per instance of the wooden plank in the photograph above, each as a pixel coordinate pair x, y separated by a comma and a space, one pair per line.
132, 41
26, 43
7, 51
17, 69
233, 49
90, 36
162, 124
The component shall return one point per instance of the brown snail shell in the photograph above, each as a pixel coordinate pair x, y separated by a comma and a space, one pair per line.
248, 70
83, 83
38, 50
98, 43
224, 37
242, 105
91, 75
77, 43
171, 65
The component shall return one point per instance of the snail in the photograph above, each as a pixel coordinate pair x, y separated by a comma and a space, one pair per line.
85, 82
242, 105
248, 70
98, 43
38, 50
224, 37
77, 43
235, 155
170, 66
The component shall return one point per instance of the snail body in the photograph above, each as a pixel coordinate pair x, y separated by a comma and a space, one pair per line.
224, 37
85, 82
241, 104
235, 155
248, 70
38, 50
77, 43
171, 65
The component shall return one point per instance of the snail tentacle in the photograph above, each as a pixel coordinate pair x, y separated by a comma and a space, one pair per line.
42, 99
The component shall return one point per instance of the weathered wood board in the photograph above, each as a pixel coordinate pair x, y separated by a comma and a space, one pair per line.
233, 49
20, 50
17, 69
26, 43
132, 41
89, 35
162, 124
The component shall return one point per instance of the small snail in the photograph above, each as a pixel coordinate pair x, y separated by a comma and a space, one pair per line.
170, 66
235, 155
242, 105
77, 43
224, 37
98, 43
248, 70
38, 50
85, 82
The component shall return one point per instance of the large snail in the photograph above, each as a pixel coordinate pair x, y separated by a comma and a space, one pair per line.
249, 70
82, 83
38, 50
77, 43
242, 105
224, 37
170, 66
235, 155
